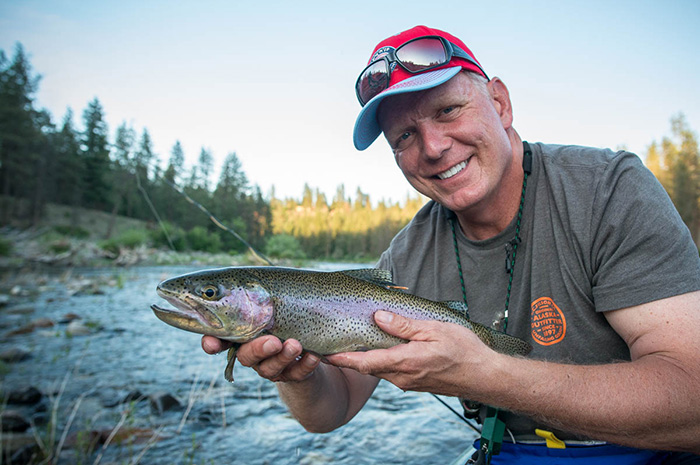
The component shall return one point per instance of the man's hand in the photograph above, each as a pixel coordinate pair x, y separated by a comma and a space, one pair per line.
440, 357
269, 357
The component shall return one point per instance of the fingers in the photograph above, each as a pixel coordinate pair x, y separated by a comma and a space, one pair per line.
367, 363
213, 345
400, 326
277, 361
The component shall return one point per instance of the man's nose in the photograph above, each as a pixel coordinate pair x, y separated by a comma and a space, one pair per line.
435, 142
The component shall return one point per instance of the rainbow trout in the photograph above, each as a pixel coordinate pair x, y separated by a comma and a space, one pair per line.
327, 312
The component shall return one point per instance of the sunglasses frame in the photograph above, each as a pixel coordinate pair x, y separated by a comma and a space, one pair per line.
450, 49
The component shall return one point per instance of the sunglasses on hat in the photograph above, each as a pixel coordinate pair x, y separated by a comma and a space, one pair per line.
415, 56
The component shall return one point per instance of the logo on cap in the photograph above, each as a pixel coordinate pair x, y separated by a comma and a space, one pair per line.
382, 52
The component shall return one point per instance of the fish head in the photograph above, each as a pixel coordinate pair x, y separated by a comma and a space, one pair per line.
228, 303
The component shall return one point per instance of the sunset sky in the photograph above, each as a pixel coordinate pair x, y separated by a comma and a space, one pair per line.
273, 81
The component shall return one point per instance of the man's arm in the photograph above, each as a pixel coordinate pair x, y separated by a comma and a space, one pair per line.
650, 402
321, 397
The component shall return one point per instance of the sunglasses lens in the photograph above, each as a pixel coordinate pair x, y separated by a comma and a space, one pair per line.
373, 80
422, 54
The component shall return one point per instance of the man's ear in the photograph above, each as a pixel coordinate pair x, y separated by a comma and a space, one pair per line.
501, 101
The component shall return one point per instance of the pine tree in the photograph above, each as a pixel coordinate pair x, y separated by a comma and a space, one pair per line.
124, 195
69, 172
95, 153
144, 157
176, 164
18, 126
677, 166
205, 168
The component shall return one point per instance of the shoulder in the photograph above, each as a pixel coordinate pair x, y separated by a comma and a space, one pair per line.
590, 180
428, 227
579, 160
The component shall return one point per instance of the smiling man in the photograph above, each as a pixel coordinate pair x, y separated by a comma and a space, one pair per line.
575, 249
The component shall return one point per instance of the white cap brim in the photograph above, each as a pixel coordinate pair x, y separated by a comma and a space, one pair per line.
367, 127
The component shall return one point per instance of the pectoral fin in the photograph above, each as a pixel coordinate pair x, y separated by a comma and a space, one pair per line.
231, 358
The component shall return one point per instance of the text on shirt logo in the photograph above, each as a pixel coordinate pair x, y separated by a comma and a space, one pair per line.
547, 322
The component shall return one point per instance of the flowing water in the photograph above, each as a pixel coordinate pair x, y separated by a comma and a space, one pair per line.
239, 423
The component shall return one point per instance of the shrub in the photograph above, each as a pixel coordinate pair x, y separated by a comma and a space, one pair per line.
59, 247
176, 234
5, 247
72, 231
284, 246
200, 239
128, 239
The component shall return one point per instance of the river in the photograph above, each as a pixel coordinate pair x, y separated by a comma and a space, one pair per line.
130, 350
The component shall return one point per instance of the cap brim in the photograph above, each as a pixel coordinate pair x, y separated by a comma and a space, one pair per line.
367, 127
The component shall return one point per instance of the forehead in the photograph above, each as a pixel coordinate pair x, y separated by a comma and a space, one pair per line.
410, 105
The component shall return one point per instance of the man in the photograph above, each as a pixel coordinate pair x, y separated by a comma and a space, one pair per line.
577, 250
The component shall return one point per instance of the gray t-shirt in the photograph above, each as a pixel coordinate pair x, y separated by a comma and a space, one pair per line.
598, 232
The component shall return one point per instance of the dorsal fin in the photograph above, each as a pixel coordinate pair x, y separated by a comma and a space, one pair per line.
457, 306
372, 275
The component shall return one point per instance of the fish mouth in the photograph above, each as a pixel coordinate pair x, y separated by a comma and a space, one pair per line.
447, 174
188, 314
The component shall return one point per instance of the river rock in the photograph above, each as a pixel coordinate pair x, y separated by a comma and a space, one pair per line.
133, 396
19, 449
43, 323
27, 396
77, 328
25, 310
13, 421
32, 325
14, 354
163, 401
68, 318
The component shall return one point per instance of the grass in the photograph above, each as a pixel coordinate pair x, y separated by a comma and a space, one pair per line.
90, 446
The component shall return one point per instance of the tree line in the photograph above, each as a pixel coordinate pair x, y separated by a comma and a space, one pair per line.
81, 165
675, 161
42, 161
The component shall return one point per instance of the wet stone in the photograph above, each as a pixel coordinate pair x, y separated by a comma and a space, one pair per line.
14, 354
26, 396
25, 454
13, 421
133, 396
68, 317
77, 328
163, 401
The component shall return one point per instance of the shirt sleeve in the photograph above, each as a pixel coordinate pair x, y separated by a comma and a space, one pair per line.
641, 251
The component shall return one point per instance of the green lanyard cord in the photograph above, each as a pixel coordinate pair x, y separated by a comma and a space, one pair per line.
493, 428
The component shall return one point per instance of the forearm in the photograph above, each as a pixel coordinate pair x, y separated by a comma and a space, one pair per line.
649, 403
327, 399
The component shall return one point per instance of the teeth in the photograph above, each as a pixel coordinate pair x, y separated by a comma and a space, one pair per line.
452, 171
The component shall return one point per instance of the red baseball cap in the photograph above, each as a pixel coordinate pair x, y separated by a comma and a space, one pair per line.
366, 126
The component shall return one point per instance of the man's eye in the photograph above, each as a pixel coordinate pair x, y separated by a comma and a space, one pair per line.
405, 135
448, 110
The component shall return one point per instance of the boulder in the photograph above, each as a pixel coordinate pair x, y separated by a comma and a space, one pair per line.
163, 401
13, 421
27, 396
77, 328
14, 354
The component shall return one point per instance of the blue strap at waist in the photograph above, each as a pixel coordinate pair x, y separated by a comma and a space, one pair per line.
606, 454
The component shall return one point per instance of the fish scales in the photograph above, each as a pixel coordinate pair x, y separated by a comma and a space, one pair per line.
327, 312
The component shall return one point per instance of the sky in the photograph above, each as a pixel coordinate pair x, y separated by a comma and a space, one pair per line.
273, 81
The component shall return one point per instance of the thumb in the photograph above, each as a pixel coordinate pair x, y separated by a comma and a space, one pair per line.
399, 326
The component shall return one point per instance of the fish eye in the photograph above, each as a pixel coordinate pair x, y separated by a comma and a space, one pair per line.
210, 292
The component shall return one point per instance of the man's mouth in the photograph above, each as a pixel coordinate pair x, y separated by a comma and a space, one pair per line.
452, 171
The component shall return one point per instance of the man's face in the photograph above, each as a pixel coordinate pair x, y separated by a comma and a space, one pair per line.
451, 141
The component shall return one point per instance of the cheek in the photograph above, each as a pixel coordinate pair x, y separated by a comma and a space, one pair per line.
405, 162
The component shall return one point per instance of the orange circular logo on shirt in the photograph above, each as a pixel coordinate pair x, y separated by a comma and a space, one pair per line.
547, 322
